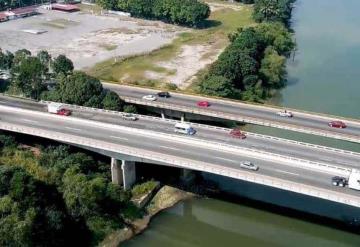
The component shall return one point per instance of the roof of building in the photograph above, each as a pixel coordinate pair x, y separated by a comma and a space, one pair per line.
25, 10
65, 7
3, 15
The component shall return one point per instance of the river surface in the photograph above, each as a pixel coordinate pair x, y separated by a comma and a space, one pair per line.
324, 77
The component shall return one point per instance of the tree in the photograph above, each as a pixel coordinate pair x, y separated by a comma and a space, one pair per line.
217, 86
112, 101
273, 10
62, 64
28, 76
273, 68
21, 55
44, 58
6, 60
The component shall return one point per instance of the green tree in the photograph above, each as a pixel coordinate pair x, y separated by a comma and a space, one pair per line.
112, 101
62, 64
6, 60
217, 86
44, 58
273, 68
130, 109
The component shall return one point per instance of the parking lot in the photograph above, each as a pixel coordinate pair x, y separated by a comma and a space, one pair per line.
85, 38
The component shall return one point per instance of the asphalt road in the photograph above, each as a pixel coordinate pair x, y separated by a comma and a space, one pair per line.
170, 147
282, 147
268, 114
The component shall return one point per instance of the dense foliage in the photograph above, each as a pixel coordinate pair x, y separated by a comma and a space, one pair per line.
41, 77
73, 204
252, 64
183, 12
273, 10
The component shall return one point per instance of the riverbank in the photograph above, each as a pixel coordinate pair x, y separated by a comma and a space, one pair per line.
165, 198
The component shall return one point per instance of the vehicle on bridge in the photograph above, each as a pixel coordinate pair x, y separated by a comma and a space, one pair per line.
58, 108
248, 165
354, 179
184, 128
285, 113
164, 94
236, 133
337, 124
149, 97
338, 181
203, 104
129, 116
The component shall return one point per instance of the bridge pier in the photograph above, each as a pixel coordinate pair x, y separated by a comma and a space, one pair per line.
162, 114
123, 173
183, 117
187, 176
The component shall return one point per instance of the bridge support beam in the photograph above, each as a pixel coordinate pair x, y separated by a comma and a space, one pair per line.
162, 114
123, 173
187, 176
182, 117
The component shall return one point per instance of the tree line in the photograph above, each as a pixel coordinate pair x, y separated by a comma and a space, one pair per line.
60, 198
182, 12
254, 62
42, 77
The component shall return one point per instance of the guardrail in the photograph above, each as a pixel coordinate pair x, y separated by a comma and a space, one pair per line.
189, 164
117, 113
243, 119
234, 101
324, 167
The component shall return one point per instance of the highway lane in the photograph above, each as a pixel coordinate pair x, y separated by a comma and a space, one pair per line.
263, 113
218, 135
168, 146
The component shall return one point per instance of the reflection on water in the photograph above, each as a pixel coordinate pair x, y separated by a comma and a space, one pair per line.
214, 223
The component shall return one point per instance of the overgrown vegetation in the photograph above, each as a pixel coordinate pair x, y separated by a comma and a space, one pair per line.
57, 197
254, 62
41, 77
143, 188
183, 12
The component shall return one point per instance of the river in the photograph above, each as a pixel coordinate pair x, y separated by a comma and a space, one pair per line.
324, 77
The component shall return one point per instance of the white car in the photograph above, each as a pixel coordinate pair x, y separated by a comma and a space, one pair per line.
285, 114
149, 97
129, 116
248, 165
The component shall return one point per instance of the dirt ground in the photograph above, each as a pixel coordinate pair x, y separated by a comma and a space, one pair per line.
85, 38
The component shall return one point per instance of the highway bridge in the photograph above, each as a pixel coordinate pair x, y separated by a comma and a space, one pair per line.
150, 139
265, 115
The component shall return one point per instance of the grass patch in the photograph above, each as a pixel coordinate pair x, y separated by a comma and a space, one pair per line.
144, 188
214, 33
87, 8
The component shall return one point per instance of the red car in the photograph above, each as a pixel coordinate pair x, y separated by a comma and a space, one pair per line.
237, 134
64, 112
203, 104
337, 124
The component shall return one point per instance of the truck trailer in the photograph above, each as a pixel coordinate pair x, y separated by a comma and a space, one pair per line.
354, 179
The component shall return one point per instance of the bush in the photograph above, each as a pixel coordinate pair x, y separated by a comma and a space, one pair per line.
130, 109
141, 189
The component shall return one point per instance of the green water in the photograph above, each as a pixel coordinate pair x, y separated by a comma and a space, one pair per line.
214, 223
325, 77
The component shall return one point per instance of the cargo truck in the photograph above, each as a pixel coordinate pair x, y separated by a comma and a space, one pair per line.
354, 179
58, 108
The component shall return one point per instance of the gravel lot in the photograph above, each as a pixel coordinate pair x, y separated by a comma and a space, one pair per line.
86, 39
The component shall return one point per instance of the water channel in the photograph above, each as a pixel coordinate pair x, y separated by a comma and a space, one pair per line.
324, 77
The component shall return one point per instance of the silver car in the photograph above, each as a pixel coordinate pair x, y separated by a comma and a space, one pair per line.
129, 117
248, 165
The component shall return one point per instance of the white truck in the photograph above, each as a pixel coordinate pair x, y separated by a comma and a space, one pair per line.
354, 179
58, 108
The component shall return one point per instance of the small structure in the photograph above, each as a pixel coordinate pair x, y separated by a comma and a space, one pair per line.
65, 7
21, 12
3, 17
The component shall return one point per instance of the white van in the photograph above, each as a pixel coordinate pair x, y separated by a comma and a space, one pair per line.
184, 128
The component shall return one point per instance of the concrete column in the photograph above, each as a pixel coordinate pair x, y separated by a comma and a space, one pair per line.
129, 173
162, 114
187, 176
123, 173
182, 117
116, 172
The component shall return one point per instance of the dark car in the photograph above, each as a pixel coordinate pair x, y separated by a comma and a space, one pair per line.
337, 124
338, 181
164, 94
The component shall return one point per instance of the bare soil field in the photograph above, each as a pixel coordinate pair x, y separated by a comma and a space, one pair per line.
84, 37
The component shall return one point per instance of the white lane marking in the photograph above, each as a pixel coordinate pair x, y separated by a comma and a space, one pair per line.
70, 128
28, 120
291, 173
121, 138
169, 148
226, 159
